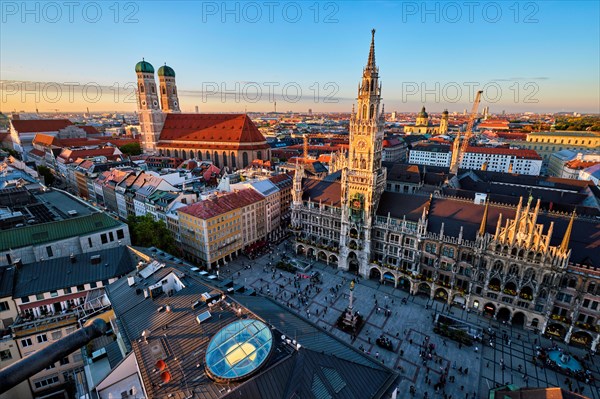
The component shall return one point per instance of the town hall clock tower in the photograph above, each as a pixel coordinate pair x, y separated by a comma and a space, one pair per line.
363, 178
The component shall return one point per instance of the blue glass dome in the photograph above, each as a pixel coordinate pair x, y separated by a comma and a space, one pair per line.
238, 350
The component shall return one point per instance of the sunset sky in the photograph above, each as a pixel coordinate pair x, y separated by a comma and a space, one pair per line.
527, 56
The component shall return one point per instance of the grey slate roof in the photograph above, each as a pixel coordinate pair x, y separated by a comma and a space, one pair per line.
310, 374
178, 339
7, 275
54, 274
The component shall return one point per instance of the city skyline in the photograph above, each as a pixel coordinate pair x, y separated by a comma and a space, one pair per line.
304, 55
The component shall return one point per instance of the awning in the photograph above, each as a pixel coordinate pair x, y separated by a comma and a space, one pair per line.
459, 299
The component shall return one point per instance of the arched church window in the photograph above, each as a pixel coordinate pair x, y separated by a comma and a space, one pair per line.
207, 156
363, 164
224, 158
174, 90
141, 87
372, 111
259, 154
168, 152
513, 271
216, 158
364, 111
199, 155
372, 85
164, 91
245, 159
152, 89
176, 154
233, 165
183, 154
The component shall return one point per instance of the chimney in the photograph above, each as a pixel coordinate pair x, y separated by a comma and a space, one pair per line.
73, 258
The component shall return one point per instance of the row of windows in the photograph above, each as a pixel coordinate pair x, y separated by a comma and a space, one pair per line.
562, 141
68, 290
104, 238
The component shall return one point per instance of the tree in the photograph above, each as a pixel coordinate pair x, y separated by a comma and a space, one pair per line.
46, 173
147, 232
131, 149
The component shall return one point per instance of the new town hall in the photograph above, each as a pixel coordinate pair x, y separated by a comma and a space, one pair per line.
522, 264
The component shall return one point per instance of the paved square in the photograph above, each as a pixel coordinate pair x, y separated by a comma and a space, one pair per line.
409, 326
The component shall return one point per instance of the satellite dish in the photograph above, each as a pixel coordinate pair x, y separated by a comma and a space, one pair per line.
160, 365
165, 377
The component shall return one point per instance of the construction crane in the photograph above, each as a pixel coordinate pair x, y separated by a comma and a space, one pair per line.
458, 149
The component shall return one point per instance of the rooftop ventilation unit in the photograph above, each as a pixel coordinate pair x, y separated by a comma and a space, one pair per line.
72, 212
131, 280
95, 259
203, 317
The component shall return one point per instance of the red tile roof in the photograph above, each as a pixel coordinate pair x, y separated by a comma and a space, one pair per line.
221, 204
392, 142
579, 164
327, 192
45, 140
40, 125
37, 153
283, 177
68, 156
522, 153
234, 128
89, 129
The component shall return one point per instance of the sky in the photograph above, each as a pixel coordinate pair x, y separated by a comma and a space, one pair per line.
539, 56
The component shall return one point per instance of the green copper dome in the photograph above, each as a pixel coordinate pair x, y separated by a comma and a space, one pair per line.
144, 67
166, 71
423, 114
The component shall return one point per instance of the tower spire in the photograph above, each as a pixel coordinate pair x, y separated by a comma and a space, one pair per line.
371, 62
484, 218
564, 245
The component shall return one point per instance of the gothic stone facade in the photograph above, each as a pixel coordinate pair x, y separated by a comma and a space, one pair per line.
523, 265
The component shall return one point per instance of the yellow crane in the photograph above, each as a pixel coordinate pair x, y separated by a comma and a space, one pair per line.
458, 149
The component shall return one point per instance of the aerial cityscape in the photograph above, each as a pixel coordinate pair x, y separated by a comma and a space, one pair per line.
197, 201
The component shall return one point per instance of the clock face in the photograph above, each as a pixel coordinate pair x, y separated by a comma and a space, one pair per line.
361, 144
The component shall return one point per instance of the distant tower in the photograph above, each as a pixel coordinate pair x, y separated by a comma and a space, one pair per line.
444, 122
150, 115
422, 118
168, 90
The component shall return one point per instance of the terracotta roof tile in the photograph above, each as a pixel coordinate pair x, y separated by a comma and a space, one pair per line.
221, 204
579, 164
40, 125
45, 140
531, 154
328, 192
235, 128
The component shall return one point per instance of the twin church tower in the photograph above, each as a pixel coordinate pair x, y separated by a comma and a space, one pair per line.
151, 115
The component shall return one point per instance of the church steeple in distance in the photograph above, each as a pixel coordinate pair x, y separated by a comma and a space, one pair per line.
371, 61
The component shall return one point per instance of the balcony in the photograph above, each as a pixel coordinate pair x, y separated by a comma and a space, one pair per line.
28, 325
562, 319
587, 326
